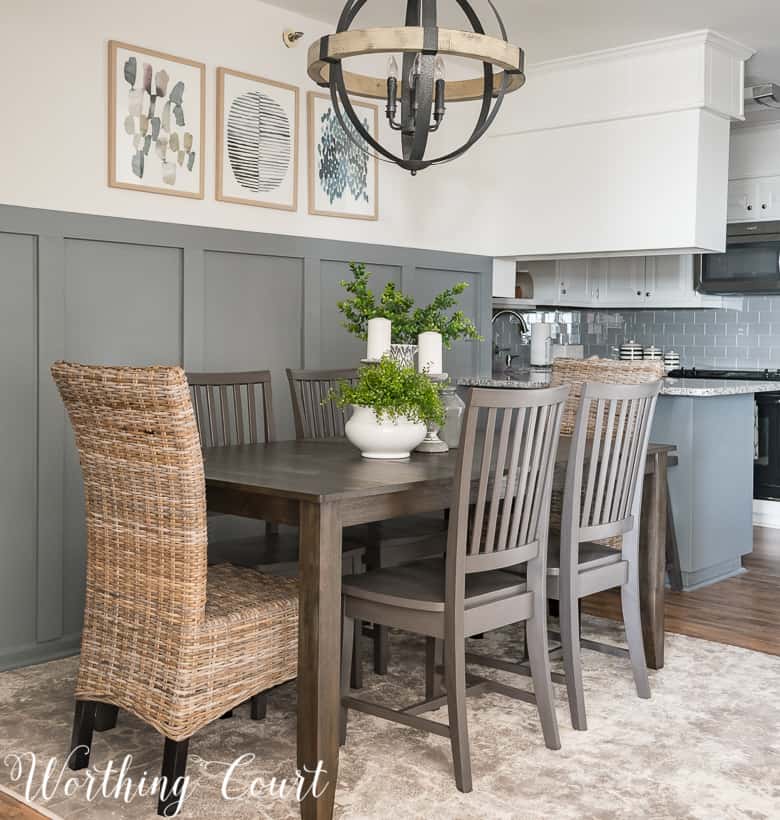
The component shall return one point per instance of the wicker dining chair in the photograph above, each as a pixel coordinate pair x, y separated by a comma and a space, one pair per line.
388, 543
603, 499
165, 637
499, 519
576, 373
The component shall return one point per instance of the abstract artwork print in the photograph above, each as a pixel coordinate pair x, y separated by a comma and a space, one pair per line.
257, 141
343, 171
156, 114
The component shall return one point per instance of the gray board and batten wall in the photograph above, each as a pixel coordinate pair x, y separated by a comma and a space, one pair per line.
105, 290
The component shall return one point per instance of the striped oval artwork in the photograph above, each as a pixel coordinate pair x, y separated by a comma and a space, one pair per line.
259, 141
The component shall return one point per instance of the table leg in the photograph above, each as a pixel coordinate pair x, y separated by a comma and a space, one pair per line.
318, 656
652, 561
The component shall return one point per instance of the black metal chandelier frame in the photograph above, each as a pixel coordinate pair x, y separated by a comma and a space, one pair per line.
421, 41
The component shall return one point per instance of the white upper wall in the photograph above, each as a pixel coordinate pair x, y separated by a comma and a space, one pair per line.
54, 56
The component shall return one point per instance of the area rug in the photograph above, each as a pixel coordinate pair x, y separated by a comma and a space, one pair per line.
706, 746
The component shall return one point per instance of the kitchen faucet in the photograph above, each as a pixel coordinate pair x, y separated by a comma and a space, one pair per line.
518, 316
523, 329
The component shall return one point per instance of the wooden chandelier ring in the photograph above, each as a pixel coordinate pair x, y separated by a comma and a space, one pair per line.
336, 47
362, 85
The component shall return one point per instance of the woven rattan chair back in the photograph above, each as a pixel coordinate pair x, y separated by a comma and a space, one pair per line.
233, 408
315, 416
145, 501
510, 440
576, 372
606, 467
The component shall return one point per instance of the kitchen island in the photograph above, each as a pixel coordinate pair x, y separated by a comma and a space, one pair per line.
711, 423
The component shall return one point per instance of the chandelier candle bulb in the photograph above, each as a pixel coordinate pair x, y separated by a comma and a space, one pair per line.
379, 334
429, 354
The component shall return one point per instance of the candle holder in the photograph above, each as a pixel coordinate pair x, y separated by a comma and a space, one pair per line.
432, 443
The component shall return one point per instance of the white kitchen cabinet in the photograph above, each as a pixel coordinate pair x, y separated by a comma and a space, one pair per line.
622, 282
669, 283
754, 200
574, 281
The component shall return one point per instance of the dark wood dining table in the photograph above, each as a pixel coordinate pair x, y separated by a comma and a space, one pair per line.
322, 487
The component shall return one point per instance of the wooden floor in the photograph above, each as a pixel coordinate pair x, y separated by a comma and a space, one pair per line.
741, 611
13, 809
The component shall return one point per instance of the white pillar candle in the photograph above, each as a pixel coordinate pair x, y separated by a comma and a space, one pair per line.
429, 353
378, 338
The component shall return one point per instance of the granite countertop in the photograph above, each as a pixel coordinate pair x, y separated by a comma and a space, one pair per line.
532, 380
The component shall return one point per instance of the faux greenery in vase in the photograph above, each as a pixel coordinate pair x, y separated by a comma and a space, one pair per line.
407, 320
393, 406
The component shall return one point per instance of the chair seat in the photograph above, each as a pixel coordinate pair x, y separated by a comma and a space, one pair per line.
591, 555
235, 595
420, 586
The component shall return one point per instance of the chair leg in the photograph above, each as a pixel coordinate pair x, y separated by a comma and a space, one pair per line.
258, 706
106, 717
632, 619
572, 664
455, 678
347, 637
356, 680
381, 649
81, 739
434, 658
539, 659
172, 786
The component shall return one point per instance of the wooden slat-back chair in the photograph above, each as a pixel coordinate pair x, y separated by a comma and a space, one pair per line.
499, 519
234, 409
173, 642
314, 415
395, 541
602, 500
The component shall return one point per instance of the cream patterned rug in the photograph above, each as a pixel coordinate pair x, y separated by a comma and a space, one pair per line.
706, 746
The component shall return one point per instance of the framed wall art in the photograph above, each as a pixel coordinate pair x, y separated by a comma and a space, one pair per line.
343, 178
257, 141
156, 119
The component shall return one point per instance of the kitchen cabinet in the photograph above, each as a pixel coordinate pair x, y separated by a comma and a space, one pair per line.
622, 282
754, 200
575, 281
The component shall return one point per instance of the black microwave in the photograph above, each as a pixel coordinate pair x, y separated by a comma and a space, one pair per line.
750, 264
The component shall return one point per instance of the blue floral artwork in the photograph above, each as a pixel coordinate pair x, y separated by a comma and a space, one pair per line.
343, 166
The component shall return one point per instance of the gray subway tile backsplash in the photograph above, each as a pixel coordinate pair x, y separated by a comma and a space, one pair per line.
709, 337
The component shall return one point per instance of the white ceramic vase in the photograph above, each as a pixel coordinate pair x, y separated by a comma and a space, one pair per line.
383, 439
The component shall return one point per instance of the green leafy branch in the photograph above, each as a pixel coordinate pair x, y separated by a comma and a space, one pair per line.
392, 391
407, 321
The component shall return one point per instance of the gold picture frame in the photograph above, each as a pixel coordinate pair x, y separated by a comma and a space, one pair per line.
293, 105
316, 197
118, 175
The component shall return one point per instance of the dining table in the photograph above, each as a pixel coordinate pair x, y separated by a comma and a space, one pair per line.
323, 486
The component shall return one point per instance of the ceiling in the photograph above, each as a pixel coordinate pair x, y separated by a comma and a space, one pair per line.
547, 29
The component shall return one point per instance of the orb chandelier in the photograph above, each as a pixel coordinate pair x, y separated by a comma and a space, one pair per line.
420, 90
